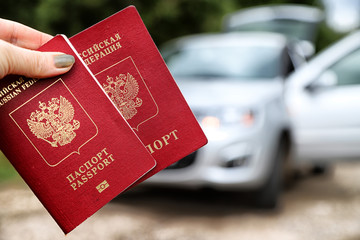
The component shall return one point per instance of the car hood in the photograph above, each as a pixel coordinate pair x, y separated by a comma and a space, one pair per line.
202, 93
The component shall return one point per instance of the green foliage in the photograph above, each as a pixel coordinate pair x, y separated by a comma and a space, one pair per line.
165, 19
7, 172
326, 37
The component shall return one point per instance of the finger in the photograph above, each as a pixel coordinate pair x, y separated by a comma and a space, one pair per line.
21, 35
30, 63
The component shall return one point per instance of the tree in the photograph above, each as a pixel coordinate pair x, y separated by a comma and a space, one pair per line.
165, 19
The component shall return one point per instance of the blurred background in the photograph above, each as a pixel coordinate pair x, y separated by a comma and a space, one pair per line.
284, 132
165, 20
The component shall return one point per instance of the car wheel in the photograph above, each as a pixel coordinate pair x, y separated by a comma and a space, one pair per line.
268, 196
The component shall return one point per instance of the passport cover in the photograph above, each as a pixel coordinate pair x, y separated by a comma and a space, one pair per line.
124, 59
68, 141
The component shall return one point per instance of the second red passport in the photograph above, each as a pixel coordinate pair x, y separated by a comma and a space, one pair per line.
68, 141
124, 59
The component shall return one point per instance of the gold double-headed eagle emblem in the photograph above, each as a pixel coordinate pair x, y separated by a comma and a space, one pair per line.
54, 122
123, 91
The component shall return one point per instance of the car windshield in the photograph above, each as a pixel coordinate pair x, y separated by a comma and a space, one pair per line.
226, 62
295, 29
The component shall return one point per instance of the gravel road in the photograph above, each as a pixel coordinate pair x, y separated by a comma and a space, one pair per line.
321, 207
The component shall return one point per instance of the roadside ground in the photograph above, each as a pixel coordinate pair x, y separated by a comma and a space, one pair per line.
317, 207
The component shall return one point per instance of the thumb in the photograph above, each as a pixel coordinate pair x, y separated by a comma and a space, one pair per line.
30, 63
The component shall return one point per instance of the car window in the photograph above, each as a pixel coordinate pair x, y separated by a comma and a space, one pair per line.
296, 29
228, 62
347, 69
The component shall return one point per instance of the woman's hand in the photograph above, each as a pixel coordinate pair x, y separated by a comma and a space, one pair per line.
18, 55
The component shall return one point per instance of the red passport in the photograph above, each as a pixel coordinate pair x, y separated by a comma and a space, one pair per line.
68, 141
124, 59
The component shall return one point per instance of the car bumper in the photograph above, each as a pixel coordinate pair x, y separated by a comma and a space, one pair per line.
230, 163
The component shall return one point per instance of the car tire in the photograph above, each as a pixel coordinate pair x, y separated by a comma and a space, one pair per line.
268, 196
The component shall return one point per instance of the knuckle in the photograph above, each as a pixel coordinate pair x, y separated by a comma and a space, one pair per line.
37, 64
6, 59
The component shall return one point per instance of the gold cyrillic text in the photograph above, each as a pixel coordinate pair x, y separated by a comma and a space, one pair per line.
163, 141
101, 49
89, 169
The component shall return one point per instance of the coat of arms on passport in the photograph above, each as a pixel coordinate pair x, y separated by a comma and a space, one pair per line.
57, 125
123, 91
127, 89
54, 122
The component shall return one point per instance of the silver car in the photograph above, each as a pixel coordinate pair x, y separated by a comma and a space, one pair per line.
324, 100
234, 84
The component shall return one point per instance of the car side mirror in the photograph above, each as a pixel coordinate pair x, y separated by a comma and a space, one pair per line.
326, 80
306, 48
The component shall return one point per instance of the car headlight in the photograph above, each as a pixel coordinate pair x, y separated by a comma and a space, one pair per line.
227, 116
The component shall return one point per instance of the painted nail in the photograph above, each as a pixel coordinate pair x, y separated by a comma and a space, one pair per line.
63, 60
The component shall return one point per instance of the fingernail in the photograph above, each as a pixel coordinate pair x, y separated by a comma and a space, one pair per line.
63, 60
